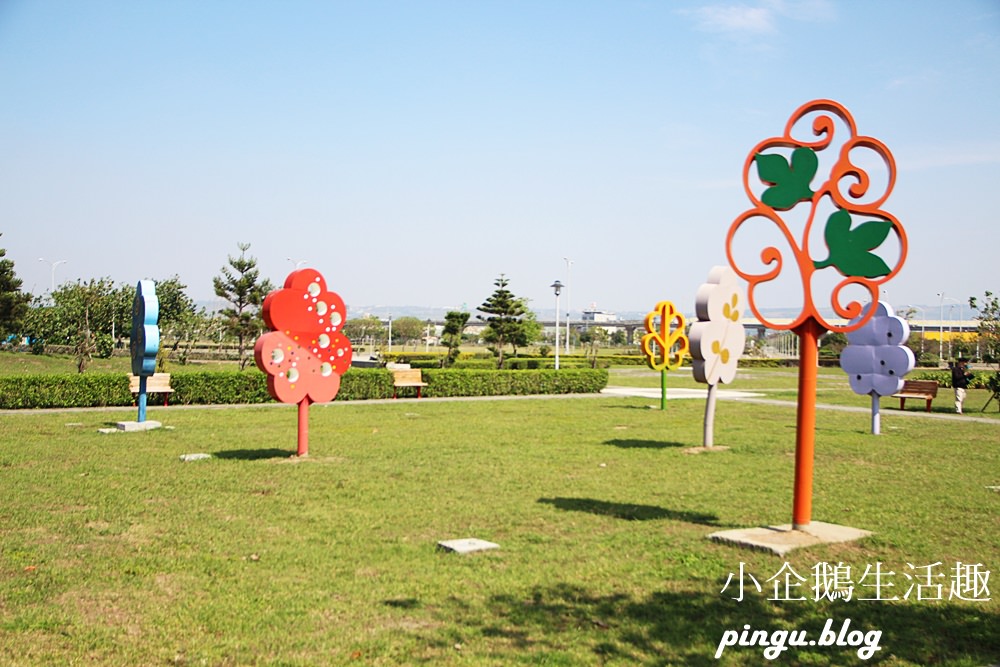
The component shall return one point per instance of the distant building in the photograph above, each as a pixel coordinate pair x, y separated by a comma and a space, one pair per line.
601, 318
598, 316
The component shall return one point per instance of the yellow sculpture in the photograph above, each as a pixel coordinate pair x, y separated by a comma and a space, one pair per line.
666, 343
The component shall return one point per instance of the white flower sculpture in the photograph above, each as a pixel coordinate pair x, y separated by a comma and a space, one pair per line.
876, 359
717, 338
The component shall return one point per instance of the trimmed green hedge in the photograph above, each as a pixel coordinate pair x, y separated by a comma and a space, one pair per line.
233, 387
461, 382
980, 379
87, 390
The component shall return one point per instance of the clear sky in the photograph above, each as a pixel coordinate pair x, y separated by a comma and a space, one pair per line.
413, 151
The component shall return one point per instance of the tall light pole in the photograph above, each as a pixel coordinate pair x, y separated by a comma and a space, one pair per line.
950, 334
923, 324
569, 280
54, 265
296, 262
941, 325
557, 287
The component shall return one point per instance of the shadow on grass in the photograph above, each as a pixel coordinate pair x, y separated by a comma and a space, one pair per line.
630, 511
685, 627
643, 444
628, 407
255, 454
402, 603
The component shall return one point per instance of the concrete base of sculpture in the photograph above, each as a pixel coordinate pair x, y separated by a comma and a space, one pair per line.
467, 545
131, 427
779, 540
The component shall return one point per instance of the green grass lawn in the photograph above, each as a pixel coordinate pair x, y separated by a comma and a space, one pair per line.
22, 363
114, 552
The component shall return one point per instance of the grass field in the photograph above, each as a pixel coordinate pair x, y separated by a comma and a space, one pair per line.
114, 552
20, 363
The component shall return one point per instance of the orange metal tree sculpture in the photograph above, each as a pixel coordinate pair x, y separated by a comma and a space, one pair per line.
855, 226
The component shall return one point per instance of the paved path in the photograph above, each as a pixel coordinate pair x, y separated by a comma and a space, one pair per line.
610, 391
655, 392
750, 397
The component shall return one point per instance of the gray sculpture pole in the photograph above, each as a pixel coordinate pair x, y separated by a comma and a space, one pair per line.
709, 435
876, 417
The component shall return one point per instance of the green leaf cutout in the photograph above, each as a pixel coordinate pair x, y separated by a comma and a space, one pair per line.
789, 183
850, 248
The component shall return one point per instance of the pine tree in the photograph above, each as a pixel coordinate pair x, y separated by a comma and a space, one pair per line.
503, 325
242, 288
451, 335
13, 302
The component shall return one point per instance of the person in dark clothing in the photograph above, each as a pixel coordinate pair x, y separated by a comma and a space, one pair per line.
960, 377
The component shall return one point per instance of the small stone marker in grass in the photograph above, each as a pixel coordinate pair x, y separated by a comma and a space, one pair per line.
779, 540
131, 427
467, 545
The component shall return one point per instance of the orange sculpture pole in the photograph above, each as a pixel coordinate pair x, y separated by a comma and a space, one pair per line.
805, 422
856, 227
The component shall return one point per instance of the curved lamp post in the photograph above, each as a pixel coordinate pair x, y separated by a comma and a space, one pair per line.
951, 334
569, 294
557, 287
54, 265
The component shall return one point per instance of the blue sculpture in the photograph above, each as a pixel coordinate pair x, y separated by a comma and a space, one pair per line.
145, 340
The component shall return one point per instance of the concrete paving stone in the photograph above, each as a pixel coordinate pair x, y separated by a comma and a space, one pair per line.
467, 545
779, 540
132, 427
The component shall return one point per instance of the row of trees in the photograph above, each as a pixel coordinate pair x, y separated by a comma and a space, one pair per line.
94, 317
508, 321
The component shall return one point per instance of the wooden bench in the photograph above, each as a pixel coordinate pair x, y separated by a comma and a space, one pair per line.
925, 389
407, 377
157, 383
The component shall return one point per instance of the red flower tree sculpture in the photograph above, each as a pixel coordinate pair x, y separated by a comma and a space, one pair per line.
856, 226
305, 353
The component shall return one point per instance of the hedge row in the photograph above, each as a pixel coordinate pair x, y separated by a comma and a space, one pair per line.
64, 391
429, 360
232, 387
980, 379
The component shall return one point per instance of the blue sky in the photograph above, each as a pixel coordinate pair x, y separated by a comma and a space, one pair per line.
413, 151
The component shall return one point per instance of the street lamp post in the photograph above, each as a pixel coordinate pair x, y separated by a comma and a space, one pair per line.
941, 328
923, 324
951, 335
296, 262
569, 280
54, 265
950, 321
557, 287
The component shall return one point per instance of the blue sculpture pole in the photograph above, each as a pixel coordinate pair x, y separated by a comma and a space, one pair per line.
142, 399
145, 340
